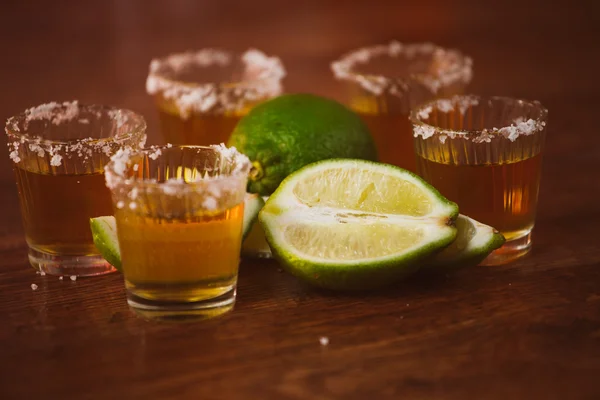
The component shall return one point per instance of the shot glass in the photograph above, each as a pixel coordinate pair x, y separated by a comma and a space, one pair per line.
179, 213
382, 83
201, 95
485, 154
59, 152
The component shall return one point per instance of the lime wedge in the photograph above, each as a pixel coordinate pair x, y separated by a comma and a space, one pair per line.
474, 242
355, 225
104, 233
252, 205
104, 230
255, 244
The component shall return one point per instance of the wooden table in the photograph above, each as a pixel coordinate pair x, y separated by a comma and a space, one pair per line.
528, 330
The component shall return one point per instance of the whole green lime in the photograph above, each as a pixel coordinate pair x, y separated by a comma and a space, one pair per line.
288, 132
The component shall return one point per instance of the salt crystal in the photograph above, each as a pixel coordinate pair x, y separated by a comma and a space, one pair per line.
42, 273
56, 160
34, 286
14, 155
60, 278
520, 127
444, 105
425, 131
154, 155
132, 205
73, 278
203, 97
35, 147
424, 112
210, 203
120, 204
324, 340
54, 112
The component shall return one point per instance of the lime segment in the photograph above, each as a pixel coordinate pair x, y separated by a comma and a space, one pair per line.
104, 233
474, 242
252, 205
354, 224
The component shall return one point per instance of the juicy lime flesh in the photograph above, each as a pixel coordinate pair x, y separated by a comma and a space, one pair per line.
352, 241
363, 190
356, 225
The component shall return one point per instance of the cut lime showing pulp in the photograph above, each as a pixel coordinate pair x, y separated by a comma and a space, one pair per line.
356, 225
474, 242
104, 230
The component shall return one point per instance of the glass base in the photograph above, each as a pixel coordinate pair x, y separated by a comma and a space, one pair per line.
157, 310
52, 264
510, 251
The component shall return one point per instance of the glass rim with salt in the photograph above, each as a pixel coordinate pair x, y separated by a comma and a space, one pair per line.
124, 173
176, 78
519, 126
445, 67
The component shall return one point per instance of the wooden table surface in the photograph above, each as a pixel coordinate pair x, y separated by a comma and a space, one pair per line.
527, 330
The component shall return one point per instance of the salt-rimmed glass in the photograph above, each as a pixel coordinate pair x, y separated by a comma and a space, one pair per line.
59, 152
179, 213
384, 82
201, 95
485, 154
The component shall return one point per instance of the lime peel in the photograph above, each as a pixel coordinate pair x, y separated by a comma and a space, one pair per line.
474, 242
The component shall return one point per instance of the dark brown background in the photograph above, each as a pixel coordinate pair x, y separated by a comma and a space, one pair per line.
530, 329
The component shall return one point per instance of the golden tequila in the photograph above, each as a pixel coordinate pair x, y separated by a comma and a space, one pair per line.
485, 154
179, 212
180, 259
52, 223
59, 152
383, 83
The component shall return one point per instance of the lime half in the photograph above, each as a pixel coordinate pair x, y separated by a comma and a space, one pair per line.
104, 230
355, 225
474, 242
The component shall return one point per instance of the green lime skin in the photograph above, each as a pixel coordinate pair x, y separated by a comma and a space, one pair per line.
288, 132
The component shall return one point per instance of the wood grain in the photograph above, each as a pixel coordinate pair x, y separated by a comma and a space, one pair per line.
527, 330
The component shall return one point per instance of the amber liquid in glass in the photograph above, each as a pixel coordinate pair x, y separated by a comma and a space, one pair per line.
198, 129
501, 195
180, 260
56, 210
393, 138
389, 124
